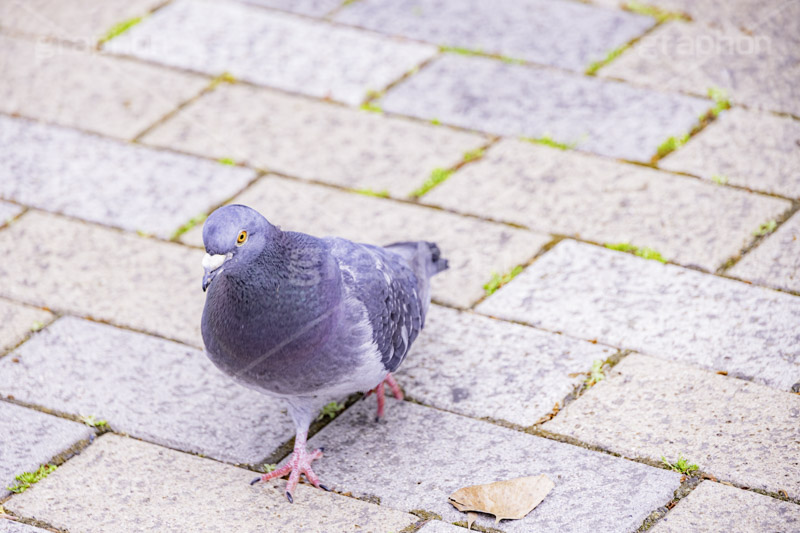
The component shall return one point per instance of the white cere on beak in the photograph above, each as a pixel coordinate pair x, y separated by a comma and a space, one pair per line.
213, 262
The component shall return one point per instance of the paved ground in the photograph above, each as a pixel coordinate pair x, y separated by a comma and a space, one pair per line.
520, 135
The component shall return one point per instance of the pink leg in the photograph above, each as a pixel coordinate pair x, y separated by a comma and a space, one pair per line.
380, 393
299, 463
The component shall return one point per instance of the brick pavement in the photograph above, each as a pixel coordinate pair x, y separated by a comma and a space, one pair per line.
123, 123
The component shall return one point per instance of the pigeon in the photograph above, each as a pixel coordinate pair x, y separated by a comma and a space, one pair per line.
310, 319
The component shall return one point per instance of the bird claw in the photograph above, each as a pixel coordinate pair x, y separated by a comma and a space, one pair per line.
289, 497
299, 464
379, 392
256, 480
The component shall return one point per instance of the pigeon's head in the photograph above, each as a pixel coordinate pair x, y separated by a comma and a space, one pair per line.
233, 235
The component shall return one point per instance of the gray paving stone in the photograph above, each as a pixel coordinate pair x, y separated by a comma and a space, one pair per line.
314, 8
754, 150
755, 70
110, 182
662, 310
775, 262
718, 507
29, 438
474, 248
8, 211
17, 321
435, 526
314, 140
7, 526
150, 388
103, 273
480, 367
433, 453
81, 21
736, 430
271, 48
569, 193
562, 34
166, 490
598, 116
88, 90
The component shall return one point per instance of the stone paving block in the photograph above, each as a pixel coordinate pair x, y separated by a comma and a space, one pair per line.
88, 90
17, 321
271, 48
7, 526
775, 262
754, 150
8, 211
480, 367
109, 182
314, 140
608, 118
314, 8
433, 453
105, 274
29, 438
569, 193
755, 70
736, 430
473, 247
435, 526
80, 21
662, 310
561, 34
166, 490
149, 388
718, 507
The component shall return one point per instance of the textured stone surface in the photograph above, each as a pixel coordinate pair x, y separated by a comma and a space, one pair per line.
433, 453
314, 8
105, 274
149, 388
479, 367
314, 140
87, 90
7, 526
662, 310
718, 507
81, 21
107, 181
29, 438
165, 490
608, 118
435, 526
271, 48
17, 321
568, 193
753, 150
776, 260
755, 70
736, 430
8, 211
562, 34
474, 248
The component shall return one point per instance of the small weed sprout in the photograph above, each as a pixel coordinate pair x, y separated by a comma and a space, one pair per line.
438, 175
592, 69
672, 144
120, 28
661, 15
26, 479
472, 155
549, 141
225, 77
226, 161
91, 421
372, 108
644, 252
596, 374
330, 410
369, 192
269, 468
719, 179
681, 465
498, 281
194, 221
766, 228
436, 122
37, 326
721, 101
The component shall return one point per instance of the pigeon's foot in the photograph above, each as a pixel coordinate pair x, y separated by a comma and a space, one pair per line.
299, 463
379, 393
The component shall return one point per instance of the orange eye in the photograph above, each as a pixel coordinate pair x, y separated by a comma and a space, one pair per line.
240, 240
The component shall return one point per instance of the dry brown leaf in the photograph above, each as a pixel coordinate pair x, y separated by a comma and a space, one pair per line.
511, 499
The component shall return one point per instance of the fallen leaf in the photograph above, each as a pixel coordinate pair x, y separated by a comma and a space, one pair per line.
510, 499
471, 517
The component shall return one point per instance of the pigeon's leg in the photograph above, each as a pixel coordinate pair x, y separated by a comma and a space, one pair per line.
380, 393
299, 463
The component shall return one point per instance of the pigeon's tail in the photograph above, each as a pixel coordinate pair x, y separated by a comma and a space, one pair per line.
425, 257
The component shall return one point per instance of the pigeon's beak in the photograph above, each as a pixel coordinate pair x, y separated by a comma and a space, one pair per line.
212, 264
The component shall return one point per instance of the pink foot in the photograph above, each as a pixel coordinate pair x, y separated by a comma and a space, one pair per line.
379, 393
299, 463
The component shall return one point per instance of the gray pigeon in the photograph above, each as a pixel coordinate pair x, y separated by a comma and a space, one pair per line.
310, 319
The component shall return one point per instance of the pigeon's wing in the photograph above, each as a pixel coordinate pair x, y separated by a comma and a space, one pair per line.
387, 287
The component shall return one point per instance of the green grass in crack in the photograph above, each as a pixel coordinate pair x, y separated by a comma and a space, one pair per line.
120, 28
472, 155
438, 175
671, 144
330, 410
549, 141
194, 221
611, 56
766, 228
372, 108
643, 252
498, 281
720, 179
91, 421
661, 15
26, 479
370, 192
721, 100
596, 374
681, 465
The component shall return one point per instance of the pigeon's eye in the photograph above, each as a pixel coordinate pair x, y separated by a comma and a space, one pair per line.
242, 238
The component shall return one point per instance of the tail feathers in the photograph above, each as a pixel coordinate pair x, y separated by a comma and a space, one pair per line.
421, 252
